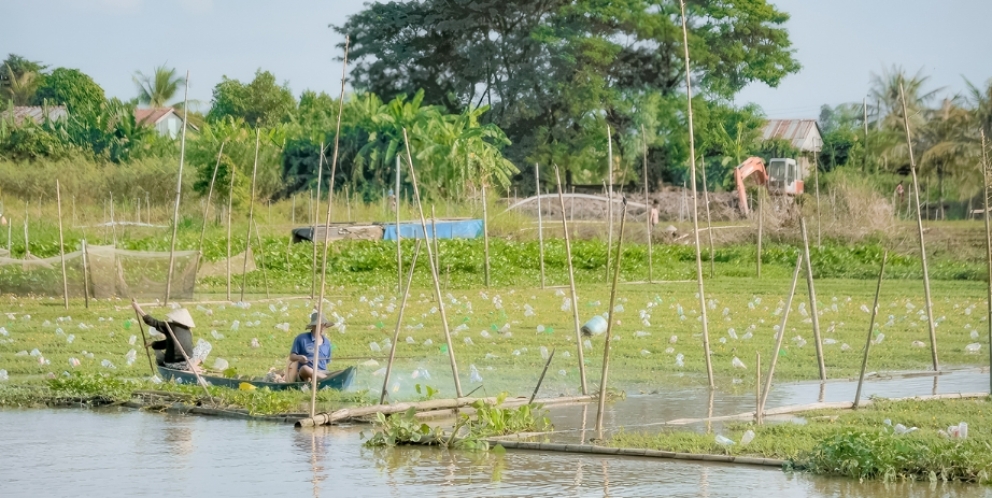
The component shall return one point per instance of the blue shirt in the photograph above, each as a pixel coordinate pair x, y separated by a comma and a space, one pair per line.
303, 345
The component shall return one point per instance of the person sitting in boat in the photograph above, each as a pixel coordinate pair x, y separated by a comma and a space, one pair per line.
166, 352
300, 366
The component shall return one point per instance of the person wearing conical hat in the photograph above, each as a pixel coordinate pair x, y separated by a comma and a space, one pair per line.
300, 366
167, 351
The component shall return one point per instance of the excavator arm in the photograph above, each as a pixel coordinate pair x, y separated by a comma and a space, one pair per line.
750, 166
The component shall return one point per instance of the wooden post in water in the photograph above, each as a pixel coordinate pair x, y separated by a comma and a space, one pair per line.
485, 230
781, 335
405, 292
871, 328
179, 192
65, 280
649, 226
313, 229
327, 225
251, 220
540, 219
399, 239
571, 286
695, 210
988, 244
812, 302
609, 325
919, 225
230, 204
434, 270
210, 194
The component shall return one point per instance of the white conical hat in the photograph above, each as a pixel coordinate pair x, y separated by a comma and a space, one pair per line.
180, 316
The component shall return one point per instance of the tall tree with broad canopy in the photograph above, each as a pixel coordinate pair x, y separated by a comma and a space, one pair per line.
261, 103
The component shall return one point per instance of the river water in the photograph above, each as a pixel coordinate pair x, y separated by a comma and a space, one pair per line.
72, 452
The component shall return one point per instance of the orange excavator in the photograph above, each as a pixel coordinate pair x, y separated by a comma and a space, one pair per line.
782, 177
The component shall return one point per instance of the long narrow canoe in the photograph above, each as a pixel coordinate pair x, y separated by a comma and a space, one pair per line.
340, 380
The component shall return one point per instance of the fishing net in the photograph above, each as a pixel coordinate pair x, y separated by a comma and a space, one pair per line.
111, 273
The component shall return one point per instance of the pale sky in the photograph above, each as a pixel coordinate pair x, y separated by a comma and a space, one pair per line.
838, 42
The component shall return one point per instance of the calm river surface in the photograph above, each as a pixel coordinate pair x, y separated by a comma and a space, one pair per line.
73, 452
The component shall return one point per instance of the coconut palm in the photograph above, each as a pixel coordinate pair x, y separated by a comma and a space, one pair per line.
980, 101
886, 95
19, 88
157, 89
949, 149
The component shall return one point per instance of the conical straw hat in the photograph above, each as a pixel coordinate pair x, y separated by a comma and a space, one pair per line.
180, 316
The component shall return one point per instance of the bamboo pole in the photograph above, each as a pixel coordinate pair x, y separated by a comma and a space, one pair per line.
210, 194
65, 280
609, 324
327, 226
761, 228
405, 291
113, 227
27, 241
437, 246
485, 232
144, 340
230, 204
434, 269
988, 244
609, 200
292, 212
86, 276
313, 230
541, 379
816, 180
919, 225
571, 287
399, 239
261, 263
781, 335
871, 328
251, 219
647, 203
540, 219
189, 363
179, 192
757, 387
695, 210
812, 302
709, 223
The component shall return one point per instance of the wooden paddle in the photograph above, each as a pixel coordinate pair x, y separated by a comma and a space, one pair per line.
144, 338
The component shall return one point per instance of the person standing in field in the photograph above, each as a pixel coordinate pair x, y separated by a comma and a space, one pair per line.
654, 213
300, 367
900, 195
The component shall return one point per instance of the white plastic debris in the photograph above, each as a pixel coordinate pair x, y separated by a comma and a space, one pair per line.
645, 352
737, 363
723, 441
902, 429
669, 350
235, 325
641, 333
845, 347
587, 344
544, 353
107, 364
747, 437
216, 335
369, 363
379, 373
473, 375
73, 362
468, 341
732, 333
130, 357
828, 341
973, 348
673, 339
200, 351
3, 375
428, 342
974, 335
374, 346
540, 329
221, 364
484, 334
919, 344
35, 352
680, 360
254, 342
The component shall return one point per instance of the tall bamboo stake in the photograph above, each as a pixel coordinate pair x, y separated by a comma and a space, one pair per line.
144, 340
179, 192
65, 280
251, 219
405, 291
540, 219
113, 222
709, 223
864, 164
399, 239
609, 324
434, 269
919, 225
781, 335
437, 247
261, 263
210, 194
230, 203
609, 200
86, 275
871, 328
757, 386
485, 230
571, 286
812, 302
647, 203
695, 210
327, 225
816, 180
313, 230
541, 379
988, 243
761, 228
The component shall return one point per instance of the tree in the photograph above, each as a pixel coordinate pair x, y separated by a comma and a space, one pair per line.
70, 87
555, 71
19, 79
157, 89
261, 103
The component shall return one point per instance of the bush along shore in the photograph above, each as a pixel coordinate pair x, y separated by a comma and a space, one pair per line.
907, 440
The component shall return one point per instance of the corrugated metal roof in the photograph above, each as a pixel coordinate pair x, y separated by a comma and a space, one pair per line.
35, 113
804, 134
152, 116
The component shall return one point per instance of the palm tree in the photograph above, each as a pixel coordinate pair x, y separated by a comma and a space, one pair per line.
948, 143
885, 93
19, 88
157, 89
980, 100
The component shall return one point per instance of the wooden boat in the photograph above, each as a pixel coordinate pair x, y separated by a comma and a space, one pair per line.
340, 380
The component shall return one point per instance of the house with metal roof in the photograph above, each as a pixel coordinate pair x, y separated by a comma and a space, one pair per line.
166, 121
37, 114
803, 134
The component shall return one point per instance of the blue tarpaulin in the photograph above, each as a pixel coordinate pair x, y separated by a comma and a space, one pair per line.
463, 229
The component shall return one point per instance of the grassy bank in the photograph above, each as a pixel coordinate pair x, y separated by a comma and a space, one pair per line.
860, 444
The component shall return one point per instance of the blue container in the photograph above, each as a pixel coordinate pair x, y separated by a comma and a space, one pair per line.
595, 326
